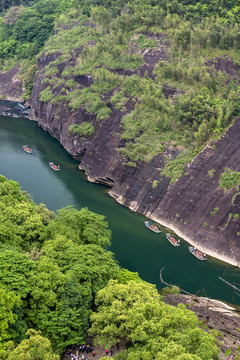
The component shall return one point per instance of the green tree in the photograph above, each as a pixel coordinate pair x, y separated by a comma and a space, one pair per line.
21, 221
35, 347
8, 302
135, 312
15, 271
81, 226
124, 276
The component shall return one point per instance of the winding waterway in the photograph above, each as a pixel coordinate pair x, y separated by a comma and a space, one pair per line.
135, 247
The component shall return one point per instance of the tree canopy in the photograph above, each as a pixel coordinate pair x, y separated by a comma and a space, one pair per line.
36, 347
136, 313
51, 268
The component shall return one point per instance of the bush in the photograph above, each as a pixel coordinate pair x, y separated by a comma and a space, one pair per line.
51, 71
122, 355
91, 101
229, 179
68, 71
211, 172
70, 83
46, 95
84, 129
170, 290
104, 80
131, 164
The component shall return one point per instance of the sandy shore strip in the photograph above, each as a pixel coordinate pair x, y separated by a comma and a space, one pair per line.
189, 240
133, 206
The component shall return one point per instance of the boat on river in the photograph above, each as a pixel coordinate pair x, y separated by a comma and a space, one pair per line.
27, 149
172, 240
54, 166
197, 253
152, 227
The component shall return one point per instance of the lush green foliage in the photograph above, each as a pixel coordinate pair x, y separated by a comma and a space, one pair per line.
8, 303
52, 287
46, 95
204, 111
104, 80
55, 265
175, 168
21, 221
24, 29
91, 100
34, 348
135, 312
84, 129
229, 179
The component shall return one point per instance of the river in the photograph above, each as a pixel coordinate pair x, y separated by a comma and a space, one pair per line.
136, 248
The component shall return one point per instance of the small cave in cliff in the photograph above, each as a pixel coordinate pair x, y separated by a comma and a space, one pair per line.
84, 80
106, 181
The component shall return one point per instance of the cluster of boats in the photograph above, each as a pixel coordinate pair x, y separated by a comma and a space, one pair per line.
194, 251
51, 164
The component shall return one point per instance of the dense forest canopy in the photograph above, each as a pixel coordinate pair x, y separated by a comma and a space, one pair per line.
26, 25
51, 268
55, 274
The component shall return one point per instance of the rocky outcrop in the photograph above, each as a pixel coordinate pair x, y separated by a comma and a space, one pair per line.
216, 315
225, 64
11, 86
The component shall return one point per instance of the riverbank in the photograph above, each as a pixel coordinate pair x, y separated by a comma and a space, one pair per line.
168, 225
207, 251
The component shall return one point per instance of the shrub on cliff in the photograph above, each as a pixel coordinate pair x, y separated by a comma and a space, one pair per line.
229, 179
92, 102
84, 129
46, 95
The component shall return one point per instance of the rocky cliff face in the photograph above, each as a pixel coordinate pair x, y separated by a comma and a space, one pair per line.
187, 206
11, 86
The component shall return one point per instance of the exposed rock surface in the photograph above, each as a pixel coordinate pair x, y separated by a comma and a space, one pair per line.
11, 87
216, 315
188, 204
225, 64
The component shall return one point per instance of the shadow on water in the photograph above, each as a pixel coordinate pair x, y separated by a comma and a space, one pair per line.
136, 248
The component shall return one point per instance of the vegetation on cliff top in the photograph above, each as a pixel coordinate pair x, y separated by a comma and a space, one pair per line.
206, 100
117, 35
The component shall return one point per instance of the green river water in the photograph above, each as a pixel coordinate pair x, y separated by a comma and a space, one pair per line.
136, 248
